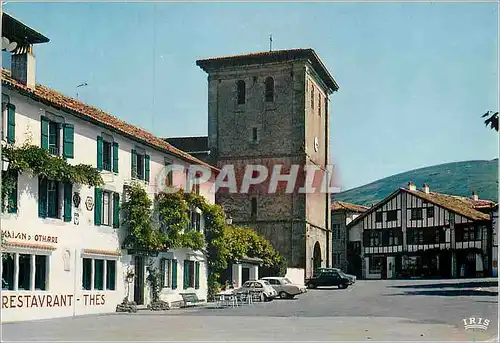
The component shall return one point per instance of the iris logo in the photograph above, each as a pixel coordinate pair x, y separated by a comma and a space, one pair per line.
476, 323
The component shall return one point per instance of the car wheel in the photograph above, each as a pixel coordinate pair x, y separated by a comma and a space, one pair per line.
311, 286
343, 286
284, 295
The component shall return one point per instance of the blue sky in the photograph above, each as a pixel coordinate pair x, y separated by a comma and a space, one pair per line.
414, 78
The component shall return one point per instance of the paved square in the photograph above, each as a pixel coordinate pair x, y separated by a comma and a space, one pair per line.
420, 310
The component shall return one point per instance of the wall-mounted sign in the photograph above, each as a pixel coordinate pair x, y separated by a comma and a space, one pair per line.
76, 219
89, 203
76, 199
23, 300
23, 236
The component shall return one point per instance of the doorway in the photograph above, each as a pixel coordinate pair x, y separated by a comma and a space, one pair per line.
316, 256
245, 274
139, 280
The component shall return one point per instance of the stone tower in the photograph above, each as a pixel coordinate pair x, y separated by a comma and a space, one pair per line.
272, 108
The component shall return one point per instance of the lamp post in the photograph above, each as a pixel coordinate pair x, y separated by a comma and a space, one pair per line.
5, 164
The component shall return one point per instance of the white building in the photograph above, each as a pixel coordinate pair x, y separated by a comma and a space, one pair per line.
64, 241
419, 233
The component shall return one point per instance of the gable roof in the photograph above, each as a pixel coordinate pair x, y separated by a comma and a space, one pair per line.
453, 203
275, 56
190, 144
96, 116
347, 206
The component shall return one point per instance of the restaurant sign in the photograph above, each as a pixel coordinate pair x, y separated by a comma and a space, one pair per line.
49, 300
23, 236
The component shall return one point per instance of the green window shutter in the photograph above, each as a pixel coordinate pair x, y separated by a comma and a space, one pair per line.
146, 163
162, 272
134, 163
11, 123
68, 190
174, 274
42, 197
12, 199
99, 153
185, 274
115, 157
45, 133
97, 206
116, 210
68, 141
197, 276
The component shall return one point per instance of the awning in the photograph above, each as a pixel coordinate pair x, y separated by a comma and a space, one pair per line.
31, 246
106, 253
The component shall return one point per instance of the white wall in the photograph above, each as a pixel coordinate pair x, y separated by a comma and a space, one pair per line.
296, 275
25, 227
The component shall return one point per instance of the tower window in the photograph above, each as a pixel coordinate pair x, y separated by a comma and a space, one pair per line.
241, 92
254, 135
319, 104
312, 97
254, 207
269, 89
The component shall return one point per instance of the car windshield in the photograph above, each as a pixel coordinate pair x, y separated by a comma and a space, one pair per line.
286, 281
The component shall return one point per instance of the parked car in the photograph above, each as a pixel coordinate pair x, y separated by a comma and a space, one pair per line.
349, 276
285, 288
329, 277
268, 292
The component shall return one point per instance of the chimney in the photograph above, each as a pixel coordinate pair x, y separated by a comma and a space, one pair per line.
411, 186
426, 188
475, 197
23, 66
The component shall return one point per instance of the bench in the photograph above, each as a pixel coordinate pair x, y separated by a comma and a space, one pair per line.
191, 299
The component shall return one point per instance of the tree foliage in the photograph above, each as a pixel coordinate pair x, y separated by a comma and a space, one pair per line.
161, 225
491, 120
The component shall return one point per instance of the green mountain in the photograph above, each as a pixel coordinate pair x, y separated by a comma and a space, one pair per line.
457, 178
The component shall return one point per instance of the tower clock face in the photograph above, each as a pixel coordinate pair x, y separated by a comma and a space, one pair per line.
316, 144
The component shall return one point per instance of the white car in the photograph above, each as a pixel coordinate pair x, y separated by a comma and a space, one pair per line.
268, 292
284, 287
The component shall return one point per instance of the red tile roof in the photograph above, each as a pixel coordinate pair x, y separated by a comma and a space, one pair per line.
457, 204
272, 57
97, 116
460, 205
346, 206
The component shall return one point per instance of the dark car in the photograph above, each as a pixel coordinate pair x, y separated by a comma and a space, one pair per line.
329, 277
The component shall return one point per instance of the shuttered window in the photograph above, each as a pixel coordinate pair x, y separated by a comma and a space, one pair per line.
99, 152
68, 189
68, 141
44, 133
116, 210
11, 123
97, 206
197, 275
115, 157
174, 274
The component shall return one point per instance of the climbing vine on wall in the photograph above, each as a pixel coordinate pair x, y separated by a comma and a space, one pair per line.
221, 243
38, 161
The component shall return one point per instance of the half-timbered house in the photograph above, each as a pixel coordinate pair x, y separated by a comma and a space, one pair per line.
419, 233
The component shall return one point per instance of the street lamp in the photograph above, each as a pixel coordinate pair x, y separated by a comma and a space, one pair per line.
5, 164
